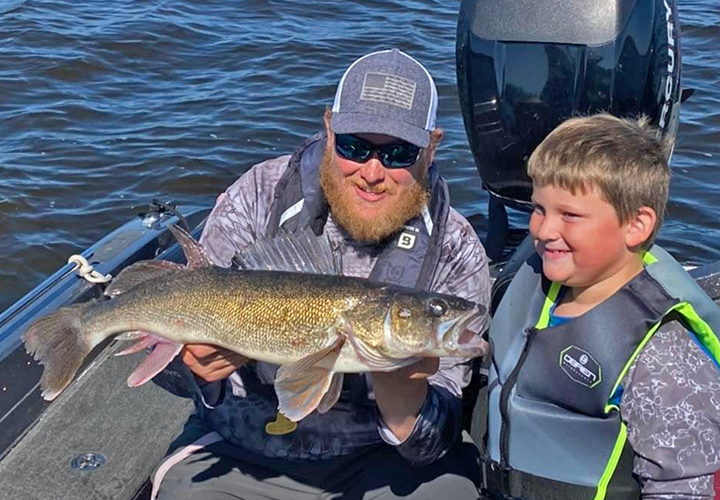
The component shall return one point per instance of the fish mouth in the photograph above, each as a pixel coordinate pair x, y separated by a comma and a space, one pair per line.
462, 336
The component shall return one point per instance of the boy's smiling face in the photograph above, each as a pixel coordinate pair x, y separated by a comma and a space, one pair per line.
581, 240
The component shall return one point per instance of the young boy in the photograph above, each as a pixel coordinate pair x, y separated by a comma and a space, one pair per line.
605, 380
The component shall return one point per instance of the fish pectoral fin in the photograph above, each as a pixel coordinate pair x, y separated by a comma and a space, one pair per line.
301, 386
140, 272
154, 363
300, 396
332, 394
325, 357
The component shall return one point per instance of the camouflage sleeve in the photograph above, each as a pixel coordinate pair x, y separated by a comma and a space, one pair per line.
240, 214
463, 271
671, 405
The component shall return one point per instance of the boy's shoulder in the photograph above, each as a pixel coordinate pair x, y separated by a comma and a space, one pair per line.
670, 405
674, 350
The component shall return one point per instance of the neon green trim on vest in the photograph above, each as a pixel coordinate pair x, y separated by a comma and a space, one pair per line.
550, 299
702, 330
635, 354
622, 435
648, 258
614, 458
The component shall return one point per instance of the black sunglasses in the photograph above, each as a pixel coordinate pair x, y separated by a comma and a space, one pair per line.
399, 155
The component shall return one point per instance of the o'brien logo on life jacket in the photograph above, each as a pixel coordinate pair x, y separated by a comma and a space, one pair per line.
669, 83
580, 366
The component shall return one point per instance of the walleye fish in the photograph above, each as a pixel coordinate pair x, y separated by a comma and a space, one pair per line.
315, 326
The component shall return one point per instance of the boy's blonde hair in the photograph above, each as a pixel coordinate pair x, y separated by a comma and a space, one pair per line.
625, 159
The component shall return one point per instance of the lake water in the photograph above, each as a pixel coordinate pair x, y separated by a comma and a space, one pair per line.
106, 105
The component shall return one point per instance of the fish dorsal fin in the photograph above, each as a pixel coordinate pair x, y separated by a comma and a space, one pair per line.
301, 252
140, 272
194, 253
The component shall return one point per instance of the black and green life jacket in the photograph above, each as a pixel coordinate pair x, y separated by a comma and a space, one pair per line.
554, 424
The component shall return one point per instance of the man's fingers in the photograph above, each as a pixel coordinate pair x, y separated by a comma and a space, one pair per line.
201, 351
211, 363
214, 357
417, 371
207, 354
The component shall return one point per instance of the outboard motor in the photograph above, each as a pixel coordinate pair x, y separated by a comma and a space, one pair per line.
525, 66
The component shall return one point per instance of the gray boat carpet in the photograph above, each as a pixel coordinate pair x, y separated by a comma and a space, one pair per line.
98, 413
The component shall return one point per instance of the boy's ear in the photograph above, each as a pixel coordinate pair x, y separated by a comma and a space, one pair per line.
641, 227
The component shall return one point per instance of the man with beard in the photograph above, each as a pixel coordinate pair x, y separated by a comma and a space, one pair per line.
369, 183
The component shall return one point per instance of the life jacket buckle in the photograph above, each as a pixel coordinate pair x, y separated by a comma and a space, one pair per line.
496, 479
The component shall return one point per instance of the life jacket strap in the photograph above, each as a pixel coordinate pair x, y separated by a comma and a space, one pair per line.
505, 483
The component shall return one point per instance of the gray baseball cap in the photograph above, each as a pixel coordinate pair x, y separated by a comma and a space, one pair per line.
386, 92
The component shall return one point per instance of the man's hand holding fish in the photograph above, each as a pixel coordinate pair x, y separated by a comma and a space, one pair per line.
401, 393
209, 363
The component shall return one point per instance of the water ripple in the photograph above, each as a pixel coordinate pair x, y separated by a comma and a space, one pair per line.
106, 105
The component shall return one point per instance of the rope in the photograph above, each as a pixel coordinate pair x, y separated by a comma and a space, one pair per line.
85, 270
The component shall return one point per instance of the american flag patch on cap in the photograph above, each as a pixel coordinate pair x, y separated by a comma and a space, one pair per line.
388, 89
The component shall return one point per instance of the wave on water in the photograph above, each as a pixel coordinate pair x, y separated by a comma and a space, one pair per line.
107, 105
10, 5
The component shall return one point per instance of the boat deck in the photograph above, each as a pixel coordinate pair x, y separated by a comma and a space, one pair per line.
84, 420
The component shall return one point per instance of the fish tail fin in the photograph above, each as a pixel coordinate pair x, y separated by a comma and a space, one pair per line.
58, 343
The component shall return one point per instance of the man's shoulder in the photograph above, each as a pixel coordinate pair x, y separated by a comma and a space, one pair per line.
463, 265
242, 211
459, 231
261, 176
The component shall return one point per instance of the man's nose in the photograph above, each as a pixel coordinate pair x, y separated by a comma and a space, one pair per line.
372, 170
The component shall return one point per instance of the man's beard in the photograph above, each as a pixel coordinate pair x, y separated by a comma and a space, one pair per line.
345, 213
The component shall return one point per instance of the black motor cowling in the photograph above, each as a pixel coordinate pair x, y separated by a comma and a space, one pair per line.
524, 66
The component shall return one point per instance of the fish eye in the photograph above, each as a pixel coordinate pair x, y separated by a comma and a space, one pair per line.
404, 313
437, 307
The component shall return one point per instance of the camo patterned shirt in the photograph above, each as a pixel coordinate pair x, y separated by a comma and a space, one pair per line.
243, 409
